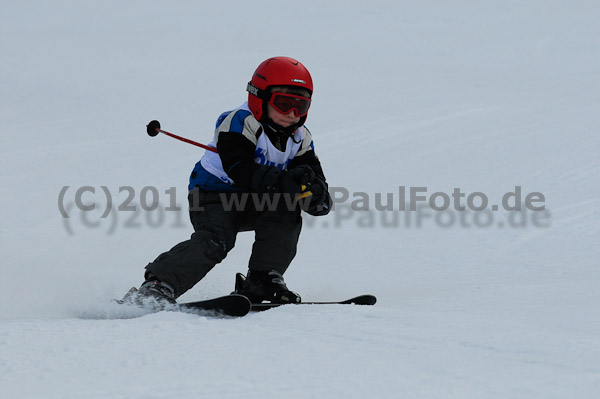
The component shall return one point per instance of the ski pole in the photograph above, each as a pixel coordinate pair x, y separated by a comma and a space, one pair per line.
153, 128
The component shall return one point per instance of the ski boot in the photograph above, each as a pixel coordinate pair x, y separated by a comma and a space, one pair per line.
260, 286
152, 293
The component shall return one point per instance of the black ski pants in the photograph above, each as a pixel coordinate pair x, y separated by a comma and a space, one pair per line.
215, 229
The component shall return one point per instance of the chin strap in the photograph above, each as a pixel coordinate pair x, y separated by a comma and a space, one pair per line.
280, 130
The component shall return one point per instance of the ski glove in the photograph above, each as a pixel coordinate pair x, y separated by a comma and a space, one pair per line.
270, 179
320, 201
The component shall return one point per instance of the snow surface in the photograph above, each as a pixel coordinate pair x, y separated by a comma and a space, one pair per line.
483, 96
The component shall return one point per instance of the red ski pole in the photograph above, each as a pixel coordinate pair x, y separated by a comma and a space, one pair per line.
153, 128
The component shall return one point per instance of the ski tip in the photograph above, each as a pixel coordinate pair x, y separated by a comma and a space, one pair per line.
369, 299
362, 300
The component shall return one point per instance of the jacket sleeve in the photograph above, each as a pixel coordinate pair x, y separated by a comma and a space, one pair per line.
236, 139
237, 155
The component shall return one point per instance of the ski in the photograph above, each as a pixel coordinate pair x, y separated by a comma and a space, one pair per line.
358, 300
232, 305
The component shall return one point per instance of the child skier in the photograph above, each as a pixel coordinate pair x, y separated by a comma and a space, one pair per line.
264, 152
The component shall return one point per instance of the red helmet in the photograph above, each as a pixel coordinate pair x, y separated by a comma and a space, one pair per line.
276, 71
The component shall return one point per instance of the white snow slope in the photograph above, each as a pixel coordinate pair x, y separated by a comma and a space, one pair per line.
481, 96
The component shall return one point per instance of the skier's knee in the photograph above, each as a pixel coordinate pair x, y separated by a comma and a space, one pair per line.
216, 247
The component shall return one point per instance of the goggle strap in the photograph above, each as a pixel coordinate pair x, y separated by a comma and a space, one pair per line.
260, 93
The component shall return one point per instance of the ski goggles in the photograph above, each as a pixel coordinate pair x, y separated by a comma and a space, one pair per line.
284, 103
